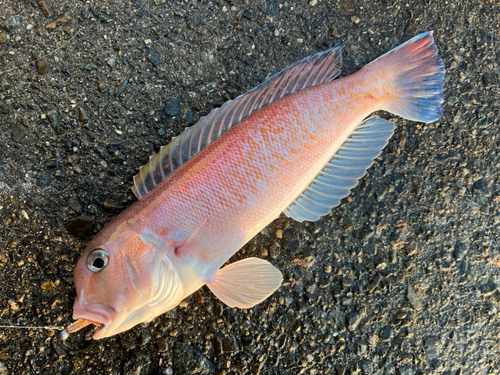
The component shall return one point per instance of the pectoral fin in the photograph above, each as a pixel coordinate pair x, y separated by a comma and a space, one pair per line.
245, 283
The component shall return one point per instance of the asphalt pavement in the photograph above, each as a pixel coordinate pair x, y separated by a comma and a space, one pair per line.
401, 278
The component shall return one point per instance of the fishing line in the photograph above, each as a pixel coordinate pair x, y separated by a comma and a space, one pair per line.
35, 327
76, 326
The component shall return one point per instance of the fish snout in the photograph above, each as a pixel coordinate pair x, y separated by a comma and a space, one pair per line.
97, 313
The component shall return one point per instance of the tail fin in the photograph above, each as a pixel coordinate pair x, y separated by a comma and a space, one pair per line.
416, 72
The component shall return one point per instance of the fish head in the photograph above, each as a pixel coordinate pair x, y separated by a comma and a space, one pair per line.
122, 279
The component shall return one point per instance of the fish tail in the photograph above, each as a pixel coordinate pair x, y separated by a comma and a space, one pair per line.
416, 75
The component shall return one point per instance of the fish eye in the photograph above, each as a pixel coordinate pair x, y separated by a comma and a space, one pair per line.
97, 260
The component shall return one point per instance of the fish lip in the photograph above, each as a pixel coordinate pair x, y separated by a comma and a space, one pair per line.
100, 315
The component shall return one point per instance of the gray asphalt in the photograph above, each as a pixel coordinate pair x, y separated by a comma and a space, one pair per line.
401, 278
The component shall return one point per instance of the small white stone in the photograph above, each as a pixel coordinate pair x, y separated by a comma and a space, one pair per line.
24, 214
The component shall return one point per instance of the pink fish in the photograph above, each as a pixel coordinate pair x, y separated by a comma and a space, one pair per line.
297, 143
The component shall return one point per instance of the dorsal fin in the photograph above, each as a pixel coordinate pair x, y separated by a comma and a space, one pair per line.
343, 171
318, 68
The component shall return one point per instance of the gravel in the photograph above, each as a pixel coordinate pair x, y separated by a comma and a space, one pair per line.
401, 278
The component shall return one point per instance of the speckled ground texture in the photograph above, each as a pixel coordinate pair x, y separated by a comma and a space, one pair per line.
401, 278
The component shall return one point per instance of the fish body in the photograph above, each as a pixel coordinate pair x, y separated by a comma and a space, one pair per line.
299, 153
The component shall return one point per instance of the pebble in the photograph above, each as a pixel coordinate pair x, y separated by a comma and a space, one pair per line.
173, 108
346, 7
412, 297
81, 226
373, 340
90, 65
189, 116
74, 205
366, 365
459, 251
14, 22
47, 286
14, 306
385, 333
251, 15
52, 116
452, 100
355, 19
112, 63
346, 222
5, 108
466, 88
224, 346
43, 8
57, 22
226, 44
41, 66
161, 346
361, 348
432, 346
3, 37
24, 214
488, 288
154, 57
352, 320
82, 114
489, 79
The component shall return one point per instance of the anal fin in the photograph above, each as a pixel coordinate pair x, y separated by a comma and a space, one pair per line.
343, 171
245, 283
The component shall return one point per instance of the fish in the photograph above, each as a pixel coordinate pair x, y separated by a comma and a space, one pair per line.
295, 144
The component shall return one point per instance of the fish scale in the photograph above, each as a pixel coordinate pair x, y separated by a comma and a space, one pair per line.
297, 143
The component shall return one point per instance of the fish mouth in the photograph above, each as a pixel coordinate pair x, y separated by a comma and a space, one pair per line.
99, 315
